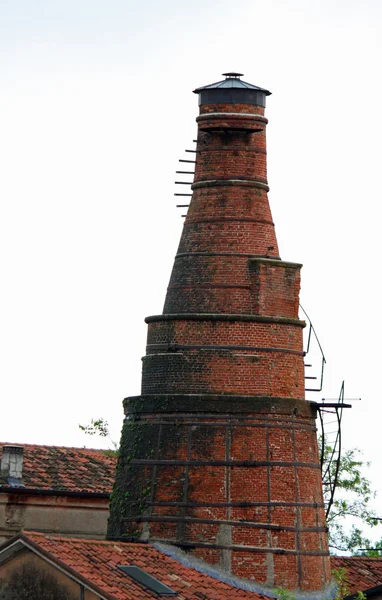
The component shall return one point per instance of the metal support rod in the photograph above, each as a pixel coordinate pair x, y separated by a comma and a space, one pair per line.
330, 460
309, 336
322, 377
187, 161
184, 182
322, 439
324, 405
337, 462
311, 329
182, 205
186, 172
182, 194
193, 151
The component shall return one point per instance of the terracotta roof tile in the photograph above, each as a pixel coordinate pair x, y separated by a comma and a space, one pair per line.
362, 572
66, 469
97, 562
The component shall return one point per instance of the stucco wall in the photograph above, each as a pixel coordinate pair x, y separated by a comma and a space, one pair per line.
64, 515
28, 558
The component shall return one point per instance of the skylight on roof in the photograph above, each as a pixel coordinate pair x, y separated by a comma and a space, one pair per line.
149, 582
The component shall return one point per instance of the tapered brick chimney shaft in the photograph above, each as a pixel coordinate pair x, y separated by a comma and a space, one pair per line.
219, 455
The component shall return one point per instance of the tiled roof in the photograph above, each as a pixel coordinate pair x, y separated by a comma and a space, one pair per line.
59, 468
95, 562
362, 572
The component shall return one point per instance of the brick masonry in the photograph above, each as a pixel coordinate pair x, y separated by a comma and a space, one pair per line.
219, 455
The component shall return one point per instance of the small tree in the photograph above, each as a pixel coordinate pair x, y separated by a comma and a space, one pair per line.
371, 549
352, 499
100, 427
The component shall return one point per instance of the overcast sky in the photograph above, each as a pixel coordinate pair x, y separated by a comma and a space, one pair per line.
96, 108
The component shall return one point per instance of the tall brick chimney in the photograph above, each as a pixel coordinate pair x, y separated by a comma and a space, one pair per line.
219, 454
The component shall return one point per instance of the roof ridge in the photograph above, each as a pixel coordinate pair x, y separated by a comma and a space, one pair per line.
52, 446
64, 538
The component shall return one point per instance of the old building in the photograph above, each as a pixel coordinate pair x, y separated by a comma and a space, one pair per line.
219, 453
54, 490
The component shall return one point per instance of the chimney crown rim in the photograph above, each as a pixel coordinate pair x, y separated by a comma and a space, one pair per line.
13, 448
232, 80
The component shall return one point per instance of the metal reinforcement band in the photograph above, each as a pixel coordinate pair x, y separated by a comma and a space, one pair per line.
254, 549
229, 220
234, 254
238, 504
223, 317
222, 463
175, 347
250, 524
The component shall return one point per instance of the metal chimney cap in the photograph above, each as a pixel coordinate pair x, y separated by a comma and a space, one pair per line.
233, 74
232, 90
232, 81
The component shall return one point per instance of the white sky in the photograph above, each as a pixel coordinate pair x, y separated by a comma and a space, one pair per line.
95, 111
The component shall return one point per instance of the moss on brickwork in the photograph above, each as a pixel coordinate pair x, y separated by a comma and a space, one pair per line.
133, 482
233, 404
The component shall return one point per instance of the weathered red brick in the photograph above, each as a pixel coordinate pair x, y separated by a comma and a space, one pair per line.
221, 447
